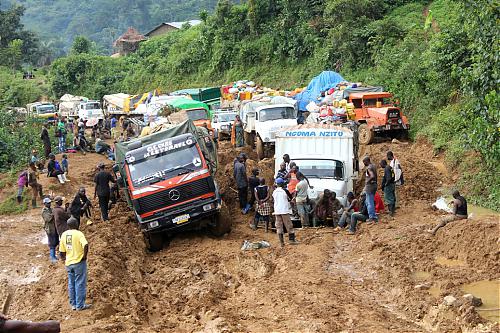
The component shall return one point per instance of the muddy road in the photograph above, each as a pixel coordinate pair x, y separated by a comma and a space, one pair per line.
390, 277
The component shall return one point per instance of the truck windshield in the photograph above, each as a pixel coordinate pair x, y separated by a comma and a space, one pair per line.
373, 101
92, 106
332, 169
46, 109
223, 117
160, 167
197, 114
277, 113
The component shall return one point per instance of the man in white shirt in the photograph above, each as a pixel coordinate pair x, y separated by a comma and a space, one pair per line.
281, 213
398, 174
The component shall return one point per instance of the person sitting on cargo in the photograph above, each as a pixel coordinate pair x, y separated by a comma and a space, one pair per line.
459, 212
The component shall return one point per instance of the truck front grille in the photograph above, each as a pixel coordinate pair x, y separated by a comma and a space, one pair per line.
164, 198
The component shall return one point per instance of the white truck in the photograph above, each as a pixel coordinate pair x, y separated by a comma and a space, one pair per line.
326, 154
79, 107
261, 122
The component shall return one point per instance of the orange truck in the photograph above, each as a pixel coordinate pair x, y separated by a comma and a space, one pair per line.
377, 115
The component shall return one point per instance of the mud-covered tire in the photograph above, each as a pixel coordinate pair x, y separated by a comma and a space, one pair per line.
365, 134
248, 138
260, 148
154, 241
221, 222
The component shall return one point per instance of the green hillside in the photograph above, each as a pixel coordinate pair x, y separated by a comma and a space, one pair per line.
58, 22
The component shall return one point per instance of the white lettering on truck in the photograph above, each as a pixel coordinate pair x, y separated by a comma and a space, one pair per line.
314, 133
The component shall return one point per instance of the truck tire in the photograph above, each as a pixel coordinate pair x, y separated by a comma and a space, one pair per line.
366, 135
154, 241
248, 137
260, 148
221, 222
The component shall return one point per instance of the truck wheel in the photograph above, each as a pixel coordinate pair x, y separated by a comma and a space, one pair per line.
221, 222
248, 137
154, 241
260, 148
366, 135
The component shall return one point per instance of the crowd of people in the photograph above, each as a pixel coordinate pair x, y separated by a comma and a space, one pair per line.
290, 201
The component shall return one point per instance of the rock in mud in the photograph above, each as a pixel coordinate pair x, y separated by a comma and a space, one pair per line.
449, 300
422, 286
475, 301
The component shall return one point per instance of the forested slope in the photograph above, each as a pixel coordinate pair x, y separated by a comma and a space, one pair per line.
58, 22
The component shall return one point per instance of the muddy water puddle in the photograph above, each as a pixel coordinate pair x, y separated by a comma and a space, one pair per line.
489, 292
421, 275
443, 261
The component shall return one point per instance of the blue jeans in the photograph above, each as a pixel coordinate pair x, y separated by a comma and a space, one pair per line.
62, 143
77, 284
355, 217
370, 205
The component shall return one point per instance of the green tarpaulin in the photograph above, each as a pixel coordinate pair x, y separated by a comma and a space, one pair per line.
186, 103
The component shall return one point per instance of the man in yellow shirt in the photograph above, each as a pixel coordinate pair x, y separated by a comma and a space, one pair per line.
74, 249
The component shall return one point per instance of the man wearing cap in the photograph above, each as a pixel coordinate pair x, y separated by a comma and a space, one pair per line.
50, 229
74, 249
102, 190
281, 213
61, 215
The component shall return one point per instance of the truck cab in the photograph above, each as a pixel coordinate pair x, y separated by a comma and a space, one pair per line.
168, 181
45, 111
222, 122
261, 122
326, 154
376, 113
89, 110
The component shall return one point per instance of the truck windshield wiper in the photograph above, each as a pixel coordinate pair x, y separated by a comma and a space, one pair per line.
184, 171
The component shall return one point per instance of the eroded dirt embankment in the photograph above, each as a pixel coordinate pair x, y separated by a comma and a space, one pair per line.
383, 279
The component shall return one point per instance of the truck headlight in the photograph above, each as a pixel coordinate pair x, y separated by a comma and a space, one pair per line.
153, 224
208, 207
400, 121
266, 139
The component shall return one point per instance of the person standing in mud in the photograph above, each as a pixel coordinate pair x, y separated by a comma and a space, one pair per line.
282, 213
398, 174
370, 189
281, 172
102, 190
240, 175
47, 149
459, 212
61, 216
253, 182
301, 200
50, 228
80, 205
74, 249
388, 187
36, 187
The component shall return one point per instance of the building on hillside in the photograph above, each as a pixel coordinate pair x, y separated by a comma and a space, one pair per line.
167, 27
128, 42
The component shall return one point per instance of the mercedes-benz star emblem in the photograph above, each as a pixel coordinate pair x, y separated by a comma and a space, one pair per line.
174, 195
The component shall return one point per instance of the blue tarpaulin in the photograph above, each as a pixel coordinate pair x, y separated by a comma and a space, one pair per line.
322, 82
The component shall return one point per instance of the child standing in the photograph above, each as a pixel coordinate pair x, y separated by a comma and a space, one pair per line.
22, 182
65, 164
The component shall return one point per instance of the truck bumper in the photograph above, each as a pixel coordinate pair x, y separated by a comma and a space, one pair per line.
185, 217
391, 127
